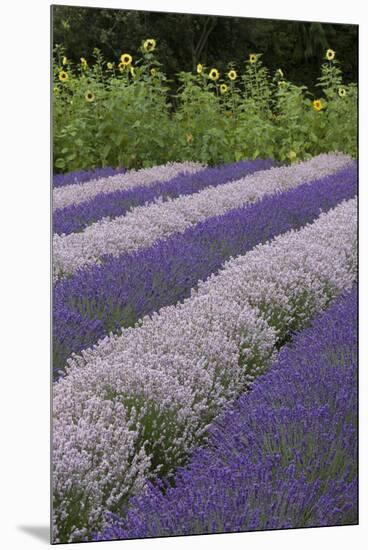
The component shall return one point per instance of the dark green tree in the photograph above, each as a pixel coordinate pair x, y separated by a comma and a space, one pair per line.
185, 40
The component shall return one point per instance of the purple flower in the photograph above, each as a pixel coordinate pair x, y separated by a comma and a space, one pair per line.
138, 403
74, 218
70, 178
144, 225
80, 191
124, 289
282, 455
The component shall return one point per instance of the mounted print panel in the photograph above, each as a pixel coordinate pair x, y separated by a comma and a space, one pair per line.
205, 324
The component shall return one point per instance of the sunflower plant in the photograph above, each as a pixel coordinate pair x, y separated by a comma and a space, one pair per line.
341, 127
113, 112
331, 76
77, 111
256, 82
291, 128
199, 115
124, 112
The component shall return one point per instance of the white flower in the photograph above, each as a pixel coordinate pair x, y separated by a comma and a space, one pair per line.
144, 225
81, 192
182, 365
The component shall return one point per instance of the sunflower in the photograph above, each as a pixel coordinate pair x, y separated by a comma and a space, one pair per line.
56, 90
110, 65
252, 58
121, 67
153, 72
149, 45
330, 55
199, 68
317, 104
89, 96
232, 75
342, 92
63, 76
65, 60
84, 63
132, 71
126, 59
214, 74
291, 155
223, 88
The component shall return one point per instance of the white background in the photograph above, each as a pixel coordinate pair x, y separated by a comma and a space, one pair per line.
25, 283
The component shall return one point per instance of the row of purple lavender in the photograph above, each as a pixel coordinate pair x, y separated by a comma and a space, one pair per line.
81, 187
104, 298
76, 217
167, 313
144, 225
81, 176
282, 455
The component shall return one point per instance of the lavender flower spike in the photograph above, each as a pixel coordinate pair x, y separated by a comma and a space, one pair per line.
144, 225
76, 217
81, 176
137, 404
283, 455
80, 192
105, 298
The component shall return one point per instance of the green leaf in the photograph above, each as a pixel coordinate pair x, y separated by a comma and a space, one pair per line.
60, 163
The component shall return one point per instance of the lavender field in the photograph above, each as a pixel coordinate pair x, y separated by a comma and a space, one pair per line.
204, 348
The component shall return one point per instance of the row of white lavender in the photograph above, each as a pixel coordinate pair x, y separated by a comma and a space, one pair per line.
81, 192
144, 225
137, 403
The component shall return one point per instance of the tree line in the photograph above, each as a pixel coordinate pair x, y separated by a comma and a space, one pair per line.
185, 40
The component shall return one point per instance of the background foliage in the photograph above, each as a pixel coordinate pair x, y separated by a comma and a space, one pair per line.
186, 40
160, 105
